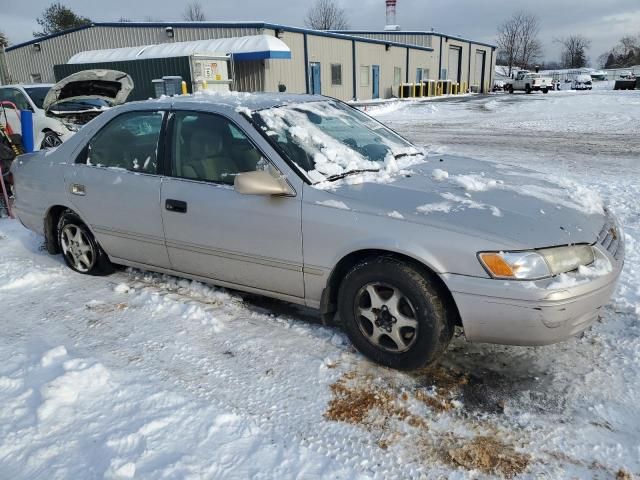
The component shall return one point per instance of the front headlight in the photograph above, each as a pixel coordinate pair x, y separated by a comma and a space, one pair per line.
536, 264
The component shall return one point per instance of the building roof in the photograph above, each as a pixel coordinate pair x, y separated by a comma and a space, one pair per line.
257, 25
412, 32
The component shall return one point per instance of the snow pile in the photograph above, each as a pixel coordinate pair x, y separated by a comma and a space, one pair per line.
395, 214
330, 155
599, 268
456, 203
334, 204
440, 175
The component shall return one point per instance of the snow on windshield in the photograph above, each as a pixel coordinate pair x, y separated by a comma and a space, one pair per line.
327, 139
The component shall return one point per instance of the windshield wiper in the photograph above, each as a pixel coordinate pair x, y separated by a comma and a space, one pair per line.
401, 155
350, 172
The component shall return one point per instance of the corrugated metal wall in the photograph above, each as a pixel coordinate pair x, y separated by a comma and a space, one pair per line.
23, 62
290, 73
249, 76
420, 39
327, 51
142, 72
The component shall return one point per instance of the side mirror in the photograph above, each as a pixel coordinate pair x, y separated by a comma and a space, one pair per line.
260, 183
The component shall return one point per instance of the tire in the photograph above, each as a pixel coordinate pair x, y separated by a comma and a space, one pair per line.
80, 250
527, 89
50, 140
510, 89
406, 296
546, 90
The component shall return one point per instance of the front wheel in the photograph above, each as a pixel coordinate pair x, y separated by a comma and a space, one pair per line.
50, 140
394, 314
79, 248
527, 89
546, 90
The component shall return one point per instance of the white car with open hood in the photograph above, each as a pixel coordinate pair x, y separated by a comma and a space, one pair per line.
59, 110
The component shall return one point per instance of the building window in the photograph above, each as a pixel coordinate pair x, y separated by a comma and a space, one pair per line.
365, 73
336, 74
397, 75
419, 75
36, 78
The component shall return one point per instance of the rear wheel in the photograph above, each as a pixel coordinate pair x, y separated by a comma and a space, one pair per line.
527, 89
79, 248
50, 140
546, 90
394, 314
510, 88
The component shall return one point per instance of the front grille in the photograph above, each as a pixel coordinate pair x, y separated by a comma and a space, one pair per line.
610, 239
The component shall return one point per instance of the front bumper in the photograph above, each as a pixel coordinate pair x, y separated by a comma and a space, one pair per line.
531, 313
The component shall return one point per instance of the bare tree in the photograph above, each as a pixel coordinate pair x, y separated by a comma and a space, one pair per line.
531, 49
4, 41
194, 12
508, 41
574, 51
518, 42
326, 15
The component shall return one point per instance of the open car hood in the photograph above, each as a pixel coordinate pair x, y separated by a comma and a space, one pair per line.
111, 86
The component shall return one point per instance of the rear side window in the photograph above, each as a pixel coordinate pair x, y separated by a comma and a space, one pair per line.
129, 141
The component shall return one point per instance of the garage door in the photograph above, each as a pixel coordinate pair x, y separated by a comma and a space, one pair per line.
454, 64
478, 73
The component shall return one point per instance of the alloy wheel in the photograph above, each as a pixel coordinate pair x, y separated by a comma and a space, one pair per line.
386, 317
77, 248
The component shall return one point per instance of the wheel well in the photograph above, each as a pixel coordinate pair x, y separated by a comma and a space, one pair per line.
329, 300
50, 227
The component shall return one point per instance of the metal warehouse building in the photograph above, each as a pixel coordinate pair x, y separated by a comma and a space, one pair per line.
347, 65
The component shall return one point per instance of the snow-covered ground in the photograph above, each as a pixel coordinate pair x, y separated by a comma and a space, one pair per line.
138, 375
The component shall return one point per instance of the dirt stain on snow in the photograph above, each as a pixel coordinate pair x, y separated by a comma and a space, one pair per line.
403, 412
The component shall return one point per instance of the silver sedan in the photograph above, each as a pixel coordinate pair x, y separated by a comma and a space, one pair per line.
308, 200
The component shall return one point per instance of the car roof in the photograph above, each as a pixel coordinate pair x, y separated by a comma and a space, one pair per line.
235, 100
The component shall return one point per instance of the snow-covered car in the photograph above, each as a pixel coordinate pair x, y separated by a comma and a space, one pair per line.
60, 109
582, 82
308, 200
530, 82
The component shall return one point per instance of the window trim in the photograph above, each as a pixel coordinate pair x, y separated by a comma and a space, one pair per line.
170, 134
81, 158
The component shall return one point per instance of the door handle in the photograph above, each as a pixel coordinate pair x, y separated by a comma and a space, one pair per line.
77, 189
177, 206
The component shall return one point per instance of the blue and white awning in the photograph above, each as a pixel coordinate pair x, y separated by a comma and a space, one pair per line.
255, 47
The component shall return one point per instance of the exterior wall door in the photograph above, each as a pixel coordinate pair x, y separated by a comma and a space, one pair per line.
376, 81
481, 56
454, 64
316, 83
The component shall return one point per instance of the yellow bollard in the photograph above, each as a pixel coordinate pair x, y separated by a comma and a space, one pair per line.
184, 88
401, 91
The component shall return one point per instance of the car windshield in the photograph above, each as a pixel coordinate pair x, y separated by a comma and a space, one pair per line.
328, 140
37, 94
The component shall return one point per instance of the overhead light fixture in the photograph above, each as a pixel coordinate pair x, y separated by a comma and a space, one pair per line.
37, 47
169, 31
279, 33
387, 46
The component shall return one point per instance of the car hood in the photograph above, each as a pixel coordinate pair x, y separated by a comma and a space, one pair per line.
516, 206
111, 86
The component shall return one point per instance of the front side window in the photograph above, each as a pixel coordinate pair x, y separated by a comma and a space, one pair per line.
210, 148
129, 141
16, 97
328, 139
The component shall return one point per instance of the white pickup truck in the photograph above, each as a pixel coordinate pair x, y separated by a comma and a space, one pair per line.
529, 82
